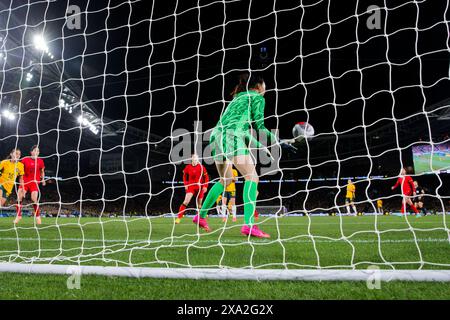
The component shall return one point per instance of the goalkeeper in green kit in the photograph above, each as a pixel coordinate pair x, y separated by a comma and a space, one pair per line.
230, 143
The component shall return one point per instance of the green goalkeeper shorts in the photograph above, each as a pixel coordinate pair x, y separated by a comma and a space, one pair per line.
224, 146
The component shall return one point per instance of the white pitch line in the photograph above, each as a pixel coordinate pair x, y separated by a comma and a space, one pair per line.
131, 241
232, 225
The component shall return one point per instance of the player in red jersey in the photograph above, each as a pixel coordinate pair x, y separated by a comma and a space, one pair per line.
408, 191
256, 213
34, 175
195, 178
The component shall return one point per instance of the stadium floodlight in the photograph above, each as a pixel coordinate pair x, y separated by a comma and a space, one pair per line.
80, 119
8, 114
93, 129
29, 76
40, 43
85, 122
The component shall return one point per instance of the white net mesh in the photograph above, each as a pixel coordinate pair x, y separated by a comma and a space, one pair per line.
118, 95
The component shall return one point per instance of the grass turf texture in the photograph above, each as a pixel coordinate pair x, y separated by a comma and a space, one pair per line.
53, 287
339, 242
438, 162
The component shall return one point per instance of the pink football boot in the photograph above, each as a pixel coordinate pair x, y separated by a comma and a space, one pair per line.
254, 232
201, 222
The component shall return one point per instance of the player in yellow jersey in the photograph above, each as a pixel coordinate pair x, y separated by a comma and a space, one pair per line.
10, 168
350, 197
219, 205
380, 206
230, 198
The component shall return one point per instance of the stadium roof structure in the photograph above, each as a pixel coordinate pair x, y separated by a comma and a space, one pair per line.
441, 111
52, 105
48, 104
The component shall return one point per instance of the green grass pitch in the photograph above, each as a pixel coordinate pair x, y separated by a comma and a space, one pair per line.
422, 163
297, 242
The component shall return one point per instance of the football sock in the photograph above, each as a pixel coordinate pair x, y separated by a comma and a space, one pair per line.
249, 196
212, 196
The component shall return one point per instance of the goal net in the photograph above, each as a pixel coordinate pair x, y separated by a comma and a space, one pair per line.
118, 95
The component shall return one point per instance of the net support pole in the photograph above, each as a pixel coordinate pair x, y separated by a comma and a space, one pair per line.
232, 274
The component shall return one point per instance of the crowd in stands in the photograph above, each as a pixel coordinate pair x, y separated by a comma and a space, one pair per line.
297, 198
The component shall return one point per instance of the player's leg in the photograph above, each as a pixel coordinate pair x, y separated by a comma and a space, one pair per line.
219, 208
422, 208
256, 214
187, 199
224, 207
354, 208
37, 211
411, 205
184, 204
232, 206
403, 210
21, 193
419, 206
347, 205
199, 198
224, 168
415, 204
245, 165
2, 199
220, 143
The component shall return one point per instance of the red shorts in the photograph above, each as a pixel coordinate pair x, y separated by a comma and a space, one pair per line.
196, 189
30, 187
407, 193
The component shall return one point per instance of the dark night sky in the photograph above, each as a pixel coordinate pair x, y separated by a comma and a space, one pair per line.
164, 65
132, 60
146, 70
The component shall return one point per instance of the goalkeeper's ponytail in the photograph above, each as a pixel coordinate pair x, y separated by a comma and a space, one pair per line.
247, 81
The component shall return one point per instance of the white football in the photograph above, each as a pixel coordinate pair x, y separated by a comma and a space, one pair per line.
302, 130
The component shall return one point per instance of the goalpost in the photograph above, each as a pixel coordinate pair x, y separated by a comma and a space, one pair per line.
119, 94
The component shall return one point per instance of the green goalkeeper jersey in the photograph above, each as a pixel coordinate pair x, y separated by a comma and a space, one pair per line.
231, 136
